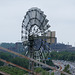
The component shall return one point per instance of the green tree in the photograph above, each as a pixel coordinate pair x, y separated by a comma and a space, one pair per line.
20, 61
12, 70
1, 63
52, 73
66, 69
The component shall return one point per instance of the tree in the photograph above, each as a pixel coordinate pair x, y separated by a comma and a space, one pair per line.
66, 69
12, 70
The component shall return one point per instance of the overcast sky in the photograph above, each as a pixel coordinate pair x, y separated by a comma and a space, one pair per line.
60, 13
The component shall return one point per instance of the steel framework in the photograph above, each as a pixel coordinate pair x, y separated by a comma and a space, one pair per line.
34, 25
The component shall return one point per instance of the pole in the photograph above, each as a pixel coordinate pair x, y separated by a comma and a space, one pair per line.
31, 51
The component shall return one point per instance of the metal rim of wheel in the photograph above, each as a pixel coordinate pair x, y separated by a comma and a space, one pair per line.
34, 23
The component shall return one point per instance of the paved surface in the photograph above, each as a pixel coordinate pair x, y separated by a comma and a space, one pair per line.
63, 63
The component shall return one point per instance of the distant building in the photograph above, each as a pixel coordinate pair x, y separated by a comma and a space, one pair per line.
51, 37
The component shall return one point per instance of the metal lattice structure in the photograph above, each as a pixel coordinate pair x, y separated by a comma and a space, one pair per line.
34, 27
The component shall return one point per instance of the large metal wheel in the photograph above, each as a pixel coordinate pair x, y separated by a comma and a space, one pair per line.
34, 26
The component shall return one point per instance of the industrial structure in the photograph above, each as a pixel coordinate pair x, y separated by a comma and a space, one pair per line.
34, 35
52, 39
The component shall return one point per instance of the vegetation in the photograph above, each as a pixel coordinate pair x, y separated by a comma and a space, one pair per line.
16, 60
41, 71
66, 69
17, 47
49, 62
12, 70
64, 55
6, 56
69, 56
1, 63
19, 61
52, 73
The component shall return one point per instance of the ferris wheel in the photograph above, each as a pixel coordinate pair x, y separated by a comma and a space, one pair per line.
34, 26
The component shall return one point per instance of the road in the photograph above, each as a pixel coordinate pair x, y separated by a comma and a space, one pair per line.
62, 63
